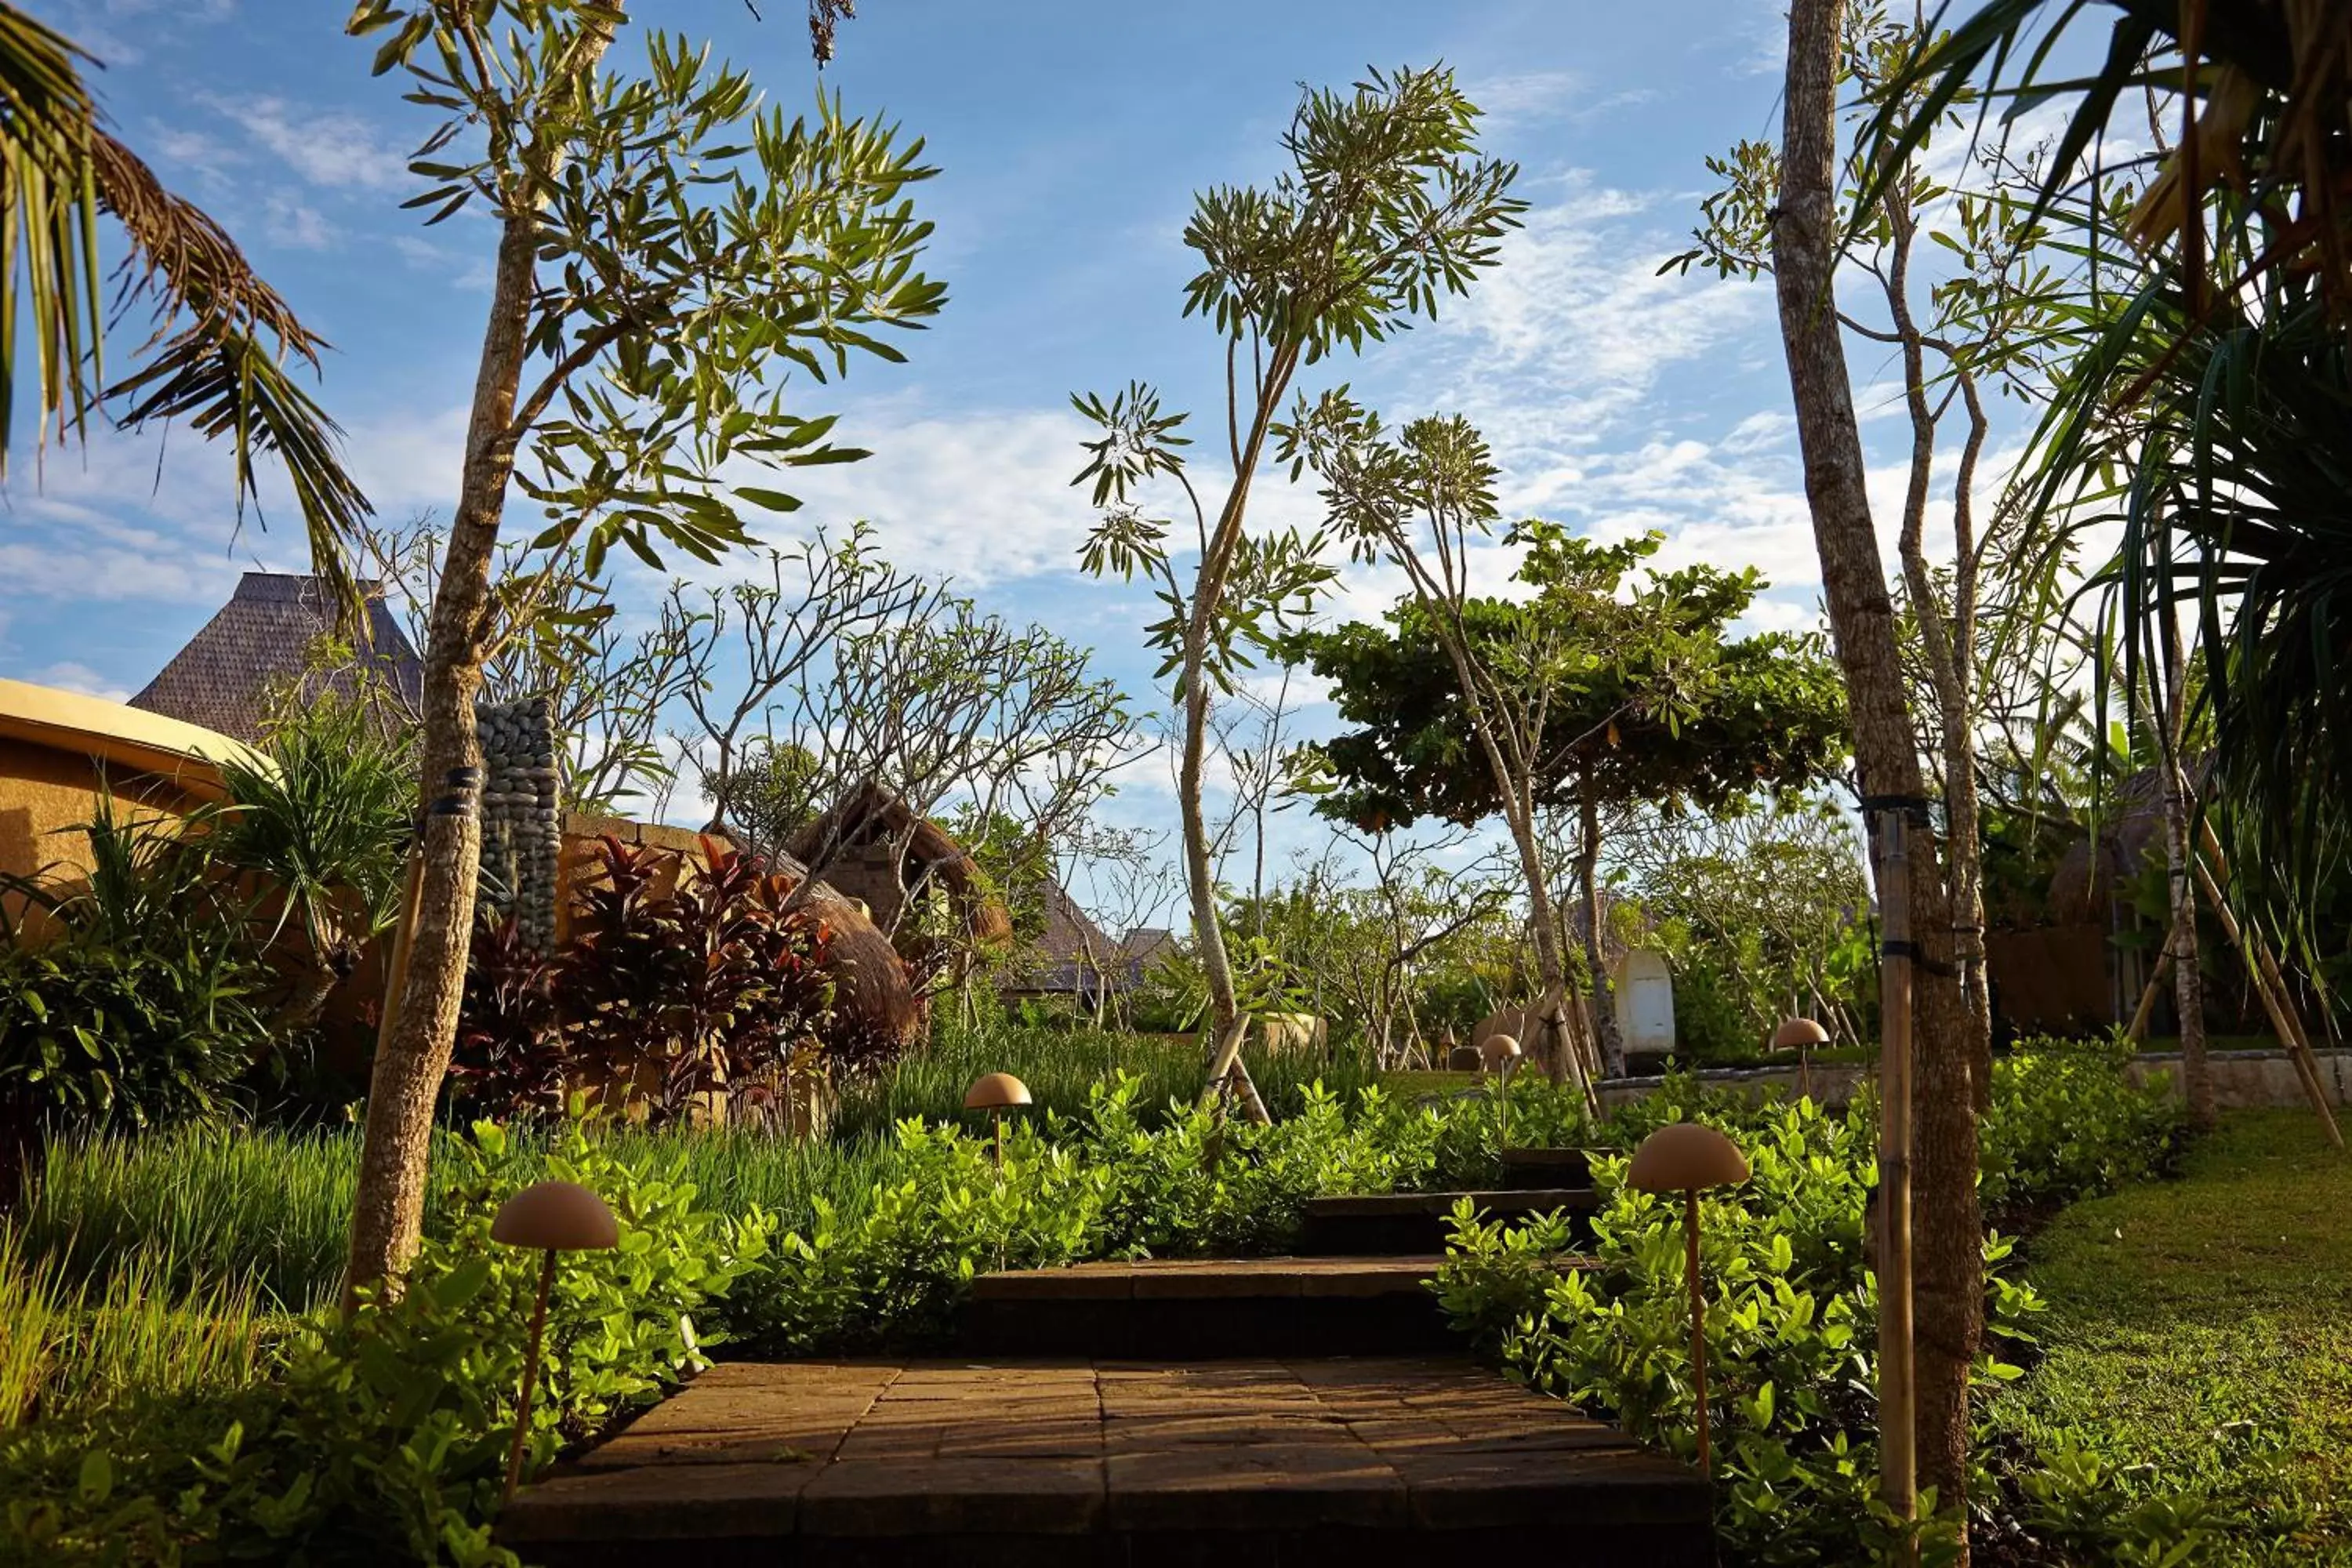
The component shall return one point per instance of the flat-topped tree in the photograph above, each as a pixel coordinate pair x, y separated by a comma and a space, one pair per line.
670, 254
1584, 697
1386, 204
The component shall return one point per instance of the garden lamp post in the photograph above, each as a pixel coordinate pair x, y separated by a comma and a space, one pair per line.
1800, 1035
1684, 1158
996, 1093
551, 1217
1496, 1055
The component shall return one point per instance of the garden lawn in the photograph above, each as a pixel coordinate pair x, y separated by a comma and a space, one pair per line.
2178, 1308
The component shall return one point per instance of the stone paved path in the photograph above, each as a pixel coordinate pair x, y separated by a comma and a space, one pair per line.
1068, 1460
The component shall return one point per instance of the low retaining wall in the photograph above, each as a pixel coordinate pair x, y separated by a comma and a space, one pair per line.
2248, 1080
2243, 1081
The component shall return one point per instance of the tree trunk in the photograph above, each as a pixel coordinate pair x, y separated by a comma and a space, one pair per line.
1951, 649
2180, 945
1949, 1263
413, 1052
1558, 1047
1596, 945
388, 1211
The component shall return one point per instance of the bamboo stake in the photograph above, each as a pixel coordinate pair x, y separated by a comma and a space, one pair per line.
1897, 1439
1698, 1326
396, 971
2299, 1047
2276, 1003
2148, 994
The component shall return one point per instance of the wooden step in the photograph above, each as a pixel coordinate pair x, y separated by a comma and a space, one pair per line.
1204, 1308
1535, 1169
1409, 1223
1068, 1462
1192, 1310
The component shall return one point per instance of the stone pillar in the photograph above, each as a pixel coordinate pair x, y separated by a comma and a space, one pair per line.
523, 830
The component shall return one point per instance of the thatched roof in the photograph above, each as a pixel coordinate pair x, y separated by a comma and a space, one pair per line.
2095, 866
261, 643
873, 812
1072, 953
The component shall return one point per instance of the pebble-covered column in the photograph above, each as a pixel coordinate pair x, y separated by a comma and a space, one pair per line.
522, 815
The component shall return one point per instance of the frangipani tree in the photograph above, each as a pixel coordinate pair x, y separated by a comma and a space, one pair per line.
671, 257
1387, 205
1606, 685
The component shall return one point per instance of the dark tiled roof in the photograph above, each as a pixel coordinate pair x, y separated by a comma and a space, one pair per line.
261, 641
1059, 962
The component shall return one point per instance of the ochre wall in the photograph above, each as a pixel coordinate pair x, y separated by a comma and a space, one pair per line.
46, 793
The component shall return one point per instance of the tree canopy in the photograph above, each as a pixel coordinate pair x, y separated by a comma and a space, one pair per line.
1652, 699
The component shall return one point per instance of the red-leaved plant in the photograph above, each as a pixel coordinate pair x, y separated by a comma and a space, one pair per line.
682, 984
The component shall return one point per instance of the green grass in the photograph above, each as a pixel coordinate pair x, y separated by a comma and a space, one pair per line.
272, 1210
1061, 1065
68, 1347
268, 1208
2203, 1327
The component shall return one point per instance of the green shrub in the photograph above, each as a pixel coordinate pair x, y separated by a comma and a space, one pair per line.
1061, 1065
1711, 1021
96, 1035
137, 999
382, 1438
1791, 1321
1113, 1179
2066, 1122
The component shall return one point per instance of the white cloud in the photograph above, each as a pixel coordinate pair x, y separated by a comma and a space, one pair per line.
411, 458
328, 148
296, 224
71, 677
1566, 340
1520, 97
983, 497
464, 268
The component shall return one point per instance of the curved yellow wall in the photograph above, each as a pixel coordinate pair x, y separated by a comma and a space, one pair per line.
60, 749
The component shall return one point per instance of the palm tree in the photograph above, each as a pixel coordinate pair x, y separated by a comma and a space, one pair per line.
220, 339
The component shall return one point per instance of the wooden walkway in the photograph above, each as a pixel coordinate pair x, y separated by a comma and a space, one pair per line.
1069, 1460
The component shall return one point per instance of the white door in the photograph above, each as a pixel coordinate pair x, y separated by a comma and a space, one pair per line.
1645, 1002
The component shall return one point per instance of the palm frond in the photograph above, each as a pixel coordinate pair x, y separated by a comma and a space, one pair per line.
220, 339
2270, 85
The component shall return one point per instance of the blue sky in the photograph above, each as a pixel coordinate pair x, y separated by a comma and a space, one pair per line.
1071, 138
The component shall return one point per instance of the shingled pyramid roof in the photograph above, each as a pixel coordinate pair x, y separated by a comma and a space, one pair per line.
261, 642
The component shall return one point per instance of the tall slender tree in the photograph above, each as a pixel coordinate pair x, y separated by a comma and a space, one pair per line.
669, 253
1387, 205
1923, 992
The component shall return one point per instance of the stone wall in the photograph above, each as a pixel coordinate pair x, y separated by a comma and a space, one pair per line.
2243, 1081
522, 841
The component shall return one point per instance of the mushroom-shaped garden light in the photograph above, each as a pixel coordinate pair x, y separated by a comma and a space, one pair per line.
996, 1093
1800, 1035
1498, 1056
549, 1217
1684, 1158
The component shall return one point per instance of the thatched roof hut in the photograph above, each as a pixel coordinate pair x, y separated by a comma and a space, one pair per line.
873, 846
262, 644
